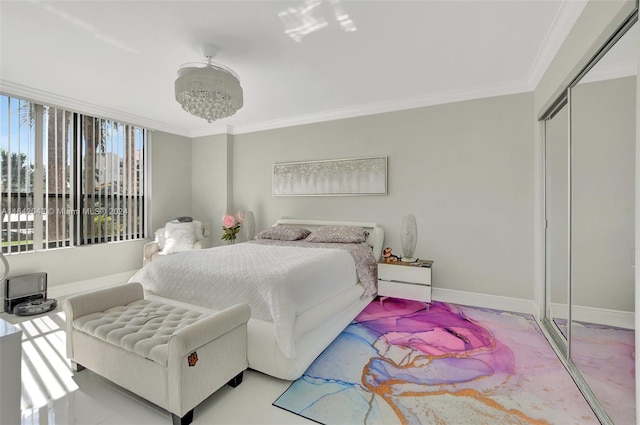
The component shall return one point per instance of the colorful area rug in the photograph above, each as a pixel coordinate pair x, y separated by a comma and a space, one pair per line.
403, 363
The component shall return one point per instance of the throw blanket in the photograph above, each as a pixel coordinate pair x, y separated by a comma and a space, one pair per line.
277, 282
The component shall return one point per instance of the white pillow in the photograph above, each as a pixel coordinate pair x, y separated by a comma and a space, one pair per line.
178, 237
160, 240
198, 230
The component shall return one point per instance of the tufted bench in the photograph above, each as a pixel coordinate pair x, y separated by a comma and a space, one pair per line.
169, 355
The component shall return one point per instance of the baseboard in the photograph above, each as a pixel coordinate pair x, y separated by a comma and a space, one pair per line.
497, 302
622, 319
599, 316
65, 291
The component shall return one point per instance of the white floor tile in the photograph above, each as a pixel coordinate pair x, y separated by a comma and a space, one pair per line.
98, 401
53, 395
248, 403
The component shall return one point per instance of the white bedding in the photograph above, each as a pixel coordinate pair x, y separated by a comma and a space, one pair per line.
277, 282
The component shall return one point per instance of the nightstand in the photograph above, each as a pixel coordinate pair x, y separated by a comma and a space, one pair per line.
411, 281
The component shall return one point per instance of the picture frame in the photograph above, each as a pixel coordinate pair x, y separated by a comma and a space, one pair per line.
333, 177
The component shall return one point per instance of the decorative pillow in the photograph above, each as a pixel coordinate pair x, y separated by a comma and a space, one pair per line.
198, 230
160, 239
339, 234
178, 237
284, 233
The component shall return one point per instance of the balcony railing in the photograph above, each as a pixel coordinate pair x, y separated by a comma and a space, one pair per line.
63, 221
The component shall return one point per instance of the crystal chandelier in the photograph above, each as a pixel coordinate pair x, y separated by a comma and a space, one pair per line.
211, 91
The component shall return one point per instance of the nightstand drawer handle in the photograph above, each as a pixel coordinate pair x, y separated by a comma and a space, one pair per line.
405, 282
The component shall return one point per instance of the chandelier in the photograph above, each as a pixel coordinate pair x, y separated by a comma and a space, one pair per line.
211, 91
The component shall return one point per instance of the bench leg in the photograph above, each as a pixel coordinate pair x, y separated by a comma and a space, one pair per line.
76, 367
188, 418
235, 381
185, 420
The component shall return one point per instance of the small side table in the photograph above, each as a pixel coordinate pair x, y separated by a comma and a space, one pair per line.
411, 281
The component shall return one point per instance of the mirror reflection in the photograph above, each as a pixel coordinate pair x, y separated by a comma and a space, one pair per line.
557, 213
603, 107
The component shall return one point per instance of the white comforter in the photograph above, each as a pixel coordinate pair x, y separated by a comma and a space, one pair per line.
277, 282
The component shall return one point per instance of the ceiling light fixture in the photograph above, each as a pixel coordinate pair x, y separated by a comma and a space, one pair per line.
211, 91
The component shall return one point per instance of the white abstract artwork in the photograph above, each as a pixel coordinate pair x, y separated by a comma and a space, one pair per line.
358, 176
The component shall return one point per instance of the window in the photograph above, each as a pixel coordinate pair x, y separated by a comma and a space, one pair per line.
67, 178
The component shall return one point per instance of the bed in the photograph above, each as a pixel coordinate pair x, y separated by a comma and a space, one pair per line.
302, 294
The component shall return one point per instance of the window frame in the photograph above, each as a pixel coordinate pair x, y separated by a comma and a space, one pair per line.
125, 196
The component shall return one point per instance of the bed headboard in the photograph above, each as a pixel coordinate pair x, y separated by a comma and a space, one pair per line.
375, 239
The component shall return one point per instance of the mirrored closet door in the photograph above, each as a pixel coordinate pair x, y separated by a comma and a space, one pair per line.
590, 140
557, 214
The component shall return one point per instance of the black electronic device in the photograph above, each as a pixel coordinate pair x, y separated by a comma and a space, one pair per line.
24, 288
32, 307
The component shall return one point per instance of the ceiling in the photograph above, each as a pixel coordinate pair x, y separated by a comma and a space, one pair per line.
118, 59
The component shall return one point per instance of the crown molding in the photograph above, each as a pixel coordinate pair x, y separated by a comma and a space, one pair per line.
560, 28
385, 107
52, 99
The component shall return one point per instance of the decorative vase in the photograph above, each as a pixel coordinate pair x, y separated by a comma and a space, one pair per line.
249, 225
409, 237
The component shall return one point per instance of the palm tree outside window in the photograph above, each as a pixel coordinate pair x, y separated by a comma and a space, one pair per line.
68, 178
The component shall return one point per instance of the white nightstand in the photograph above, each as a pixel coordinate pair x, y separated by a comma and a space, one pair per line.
411, 281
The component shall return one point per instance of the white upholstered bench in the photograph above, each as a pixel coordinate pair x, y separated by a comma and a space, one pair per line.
168, 355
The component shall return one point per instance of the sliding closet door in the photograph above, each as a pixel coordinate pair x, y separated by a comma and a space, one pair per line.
557, 215
602, 227
590, 176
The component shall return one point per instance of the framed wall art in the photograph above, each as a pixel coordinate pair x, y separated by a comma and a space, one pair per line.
356, 176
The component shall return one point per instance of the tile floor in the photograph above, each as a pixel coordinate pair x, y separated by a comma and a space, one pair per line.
97, 401
53, 394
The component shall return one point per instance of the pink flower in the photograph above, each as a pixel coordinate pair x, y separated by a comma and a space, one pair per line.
240, 217
228, 220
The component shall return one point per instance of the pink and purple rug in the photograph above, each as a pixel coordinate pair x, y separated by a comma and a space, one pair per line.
403, 363
605, 356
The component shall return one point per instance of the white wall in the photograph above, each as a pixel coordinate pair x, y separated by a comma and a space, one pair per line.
170, 178
465, 169
211, 166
